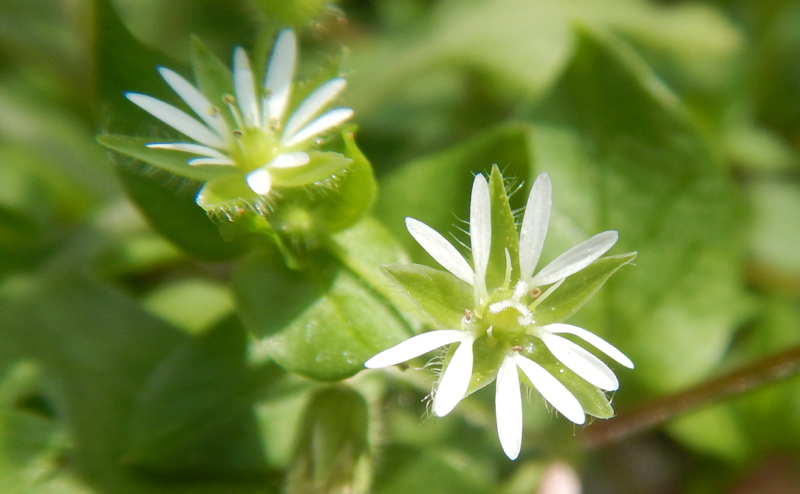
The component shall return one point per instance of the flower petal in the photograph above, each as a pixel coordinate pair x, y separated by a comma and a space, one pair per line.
414, 347
575, 259
260, 180
455, 381
177, 119
440, 249
581, 362
326, 121
245, 89
592, 339
508, 408
289, 160
552, 390
480, 230
534, 225
196, 101
278, 81
312, 105
189, 147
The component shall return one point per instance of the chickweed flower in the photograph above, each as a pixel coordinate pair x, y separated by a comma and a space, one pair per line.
249, 141
503, 316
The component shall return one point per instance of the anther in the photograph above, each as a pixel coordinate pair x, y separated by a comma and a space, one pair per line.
213, 111
516, 348
536, 292
237, 133
467, 315
228, 99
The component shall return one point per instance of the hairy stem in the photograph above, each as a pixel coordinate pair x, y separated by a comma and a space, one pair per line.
648, 415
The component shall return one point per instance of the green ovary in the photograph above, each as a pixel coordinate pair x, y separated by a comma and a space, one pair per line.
254, 149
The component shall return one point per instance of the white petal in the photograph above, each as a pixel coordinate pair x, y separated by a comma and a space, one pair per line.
311, 106
581, 362
289, 160
244, 88
414, 347
211, 161
189, 148
260, 181
196, 101
592, 339
552, 390
480, 229
508, 408
440, 249
326, 121
575, 259
534, 225
177, 119
455, 381
278, 81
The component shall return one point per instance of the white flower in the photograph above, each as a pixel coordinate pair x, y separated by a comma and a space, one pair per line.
490, 301
263, 138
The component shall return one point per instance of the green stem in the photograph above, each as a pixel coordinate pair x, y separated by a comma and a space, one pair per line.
648, 415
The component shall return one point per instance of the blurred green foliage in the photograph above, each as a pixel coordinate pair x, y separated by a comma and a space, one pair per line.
148, 348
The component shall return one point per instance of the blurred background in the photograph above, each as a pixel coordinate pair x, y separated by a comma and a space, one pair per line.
122, 354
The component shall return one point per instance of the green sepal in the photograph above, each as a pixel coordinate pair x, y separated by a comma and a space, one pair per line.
226, 192
165, 159
592, 399
213, 77
438, 292
321, 165
504, 234
578, 288
487, 358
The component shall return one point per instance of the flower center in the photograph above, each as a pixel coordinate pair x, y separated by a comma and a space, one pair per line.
254, 148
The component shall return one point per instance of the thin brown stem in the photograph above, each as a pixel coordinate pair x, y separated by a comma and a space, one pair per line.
737, 382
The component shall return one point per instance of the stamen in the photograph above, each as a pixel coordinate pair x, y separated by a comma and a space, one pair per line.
237, 117
516, 348
546, 294
213, 111
535, 292
467, 315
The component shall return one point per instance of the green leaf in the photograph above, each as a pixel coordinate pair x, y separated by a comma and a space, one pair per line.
438, 292
623, 154
179, 219
364, 248
168, 160
261, 283
332, 450
333, 325
194, 415
504, 234
578, 289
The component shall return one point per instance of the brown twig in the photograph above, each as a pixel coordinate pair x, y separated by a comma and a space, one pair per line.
737, 382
